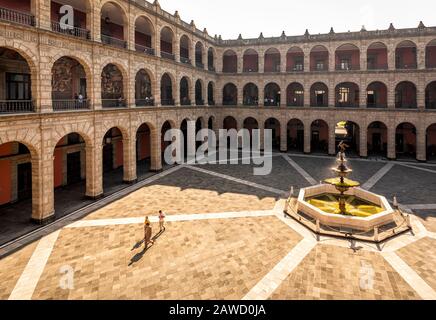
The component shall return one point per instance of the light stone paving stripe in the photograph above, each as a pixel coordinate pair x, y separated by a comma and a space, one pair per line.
421, 206
418, 168
266, 287
376, 178
431, 235
410, 276
248, 183
300, 170
175, 218
28, 280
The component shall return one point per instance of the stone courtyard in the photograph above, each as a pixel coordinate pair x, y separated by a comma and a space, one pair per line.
226, 238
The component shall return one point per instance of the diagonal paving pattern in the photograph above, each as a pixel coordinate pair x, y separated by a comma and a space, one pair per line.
376, 178
29, 278
300, 170
248, 183
39, 280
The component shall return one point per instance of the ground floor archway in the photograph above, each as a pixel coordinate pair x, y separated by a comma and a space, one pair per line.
319, 132
405, 141
431, 143
377, 139
295, 133
348, 132
274, 125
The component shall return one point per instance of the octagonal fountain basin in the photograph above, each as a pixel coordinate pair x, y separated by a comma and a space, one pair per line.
365, 209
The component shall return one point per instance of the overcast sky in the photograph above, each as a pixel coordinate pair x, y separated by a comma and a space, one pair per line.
250, 17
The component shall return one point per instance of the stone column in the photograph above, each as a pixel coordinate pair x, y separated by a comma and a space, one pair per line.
421, 144
129, 157
420, 92
45, 95
391, 142
156, 150
96, 30
176, 48
262, 133
391, 57
306, 60
42, 188
332, 139
261, 90
219, 62
363, 140
240, 94
192, 92
306, 88
219, 94
307, 136
391, 93
332, 95
41, 9
190, 152
332, 60
283, 136
362, 97
130, 33
363, 58
96, 89
283, 61
94, 170
261, 62
176, 91
239, 62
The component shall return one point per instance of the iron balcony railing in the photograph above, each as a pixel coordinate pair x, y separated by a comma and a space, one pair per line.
430, 105
185, 60
271, 103
72, 104
251, 103
406, 106
199, 65
249, 70
199, 102
319, 68
71, 31
348, 67
16, 106
144, 102
167, 102
378, 66
113, 103
144, 49
17, 17
211, 102
346, 105
376, 106
230, 103
113, 41
211, 68
185, 102
167, 55
295, 104
403, 66
296, 68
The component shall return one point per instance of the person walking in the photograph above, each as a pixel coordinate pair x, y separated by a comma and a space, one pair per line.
161, 220
147, 233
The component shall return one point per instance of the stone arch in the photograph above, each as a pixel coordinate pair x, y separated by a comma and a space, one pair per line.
144, 88
272, 60
295, 59
230, 61
66, 84
250, 61
141, 39
250, 94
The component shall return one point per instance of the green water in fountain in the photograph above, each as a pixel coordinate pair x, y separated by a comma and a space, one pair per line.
356, 207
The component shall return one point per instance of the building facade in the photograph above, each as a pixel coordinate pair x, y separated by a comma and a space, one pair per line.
79, 102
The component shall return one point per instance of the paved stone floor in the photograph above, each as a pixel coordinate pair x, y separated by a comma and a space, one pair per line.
226, 238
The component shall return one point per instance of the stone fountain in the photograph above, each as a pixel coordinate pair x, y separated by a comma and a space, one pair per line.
340, 207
